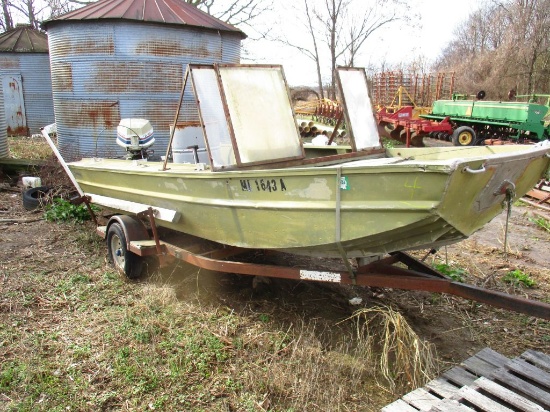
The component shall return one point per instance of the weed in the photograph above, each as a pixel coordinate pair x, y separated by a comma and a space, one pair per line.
79, 278
519, 278
390, 143
455, 274
541, 222
11, 375
61, 210
80, 352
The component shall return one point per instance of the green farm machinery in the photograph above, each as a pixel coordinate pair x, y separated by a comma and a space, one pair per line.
477, 122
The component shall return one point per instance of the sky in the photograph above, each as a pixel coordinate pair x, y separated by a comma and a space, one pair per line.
399, 43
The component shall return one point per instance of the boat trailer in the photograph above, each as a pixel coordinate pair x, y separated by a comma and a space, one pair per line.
128, 238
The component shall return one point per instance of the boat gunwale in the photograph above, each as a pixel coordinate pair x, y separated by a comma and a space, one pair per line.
400, 164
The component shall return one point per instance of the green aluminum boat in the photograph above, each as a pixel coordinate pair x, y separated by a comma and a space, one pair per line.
260, 190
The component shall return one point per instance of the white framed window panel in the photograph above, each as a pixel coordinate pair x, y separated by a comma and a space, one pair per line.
261, 114
358, 106
217, 135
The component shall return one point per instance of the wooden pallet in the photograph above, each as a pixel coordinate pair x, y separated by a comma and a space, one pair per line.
488, 381
540, 196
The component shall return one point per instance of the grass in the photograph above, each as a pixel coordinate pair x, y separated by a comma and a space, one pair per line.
405, 360
32, 148
541, 223
61, 210
76, 336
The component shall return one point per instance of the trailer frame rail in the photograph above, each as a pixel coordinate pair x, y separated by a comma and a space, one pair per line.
398, 270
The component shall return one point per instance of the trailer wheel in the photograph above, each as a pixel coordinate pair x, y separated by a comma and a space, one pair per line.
464, 136
125, 262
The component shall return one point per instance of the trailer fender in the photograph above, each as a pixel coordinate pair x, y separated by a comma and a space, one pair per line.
121, 230
133, 228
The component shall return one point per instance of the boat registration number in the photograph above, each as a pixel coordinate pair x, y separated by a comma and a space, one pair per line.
263, 185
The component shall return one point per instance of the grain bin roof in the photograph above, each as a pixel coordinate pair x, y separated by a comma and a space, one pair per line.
152, 11
24, 39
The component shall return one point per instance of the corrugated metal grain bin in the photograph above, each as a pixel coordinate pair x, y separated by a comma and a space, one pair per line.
4, 152
26, 80
108, 64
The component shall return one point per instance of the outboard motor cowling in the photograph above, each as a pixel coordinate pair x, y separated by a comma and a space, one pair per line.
135, 135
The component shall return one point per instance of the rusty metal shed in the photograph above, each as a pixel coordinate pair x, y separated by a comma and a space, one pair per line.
26, 80
116, 59
4, 150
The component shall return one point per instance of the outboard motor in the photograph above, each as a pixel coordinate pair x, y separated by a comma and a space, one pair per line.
135, 135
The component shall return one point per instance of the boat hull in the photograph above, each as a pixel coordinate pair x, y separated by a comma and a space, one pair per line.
410, 198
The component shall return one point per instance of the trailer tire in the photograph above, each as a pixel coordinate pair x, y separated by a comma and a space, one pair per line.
125, 262
464, 136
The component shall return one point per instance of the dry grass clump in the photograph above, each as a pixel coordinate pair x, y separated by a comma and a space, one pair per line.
32, 148
311, 370
405, 360
306, 374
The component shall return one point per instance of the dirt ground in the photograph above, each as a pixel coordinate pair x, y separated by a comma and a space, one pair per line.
458, 328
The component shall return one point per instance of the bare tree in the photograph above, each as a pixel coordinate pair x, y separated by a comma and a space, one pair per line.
236, 12
6, 22
348, 25
530, 37
31, 9
343, 27
314, 54
310, 52
504, 45
28, 10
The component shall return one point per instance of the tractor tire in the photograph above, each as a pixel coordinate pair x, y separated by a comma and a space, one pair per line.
464, 136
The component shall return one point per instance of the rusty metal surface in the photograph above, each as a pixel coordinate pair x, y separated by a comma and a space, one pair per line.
24, 39
14, 104
382, 273
62, 77
9, 61
153, 11
34, 69
150, 214
137, 67
4, 150
127, 77
99, 113
36, 108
